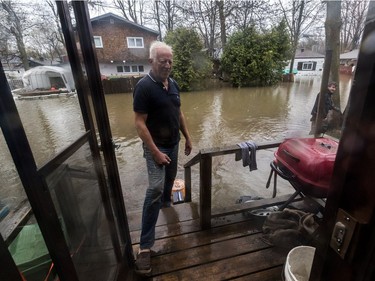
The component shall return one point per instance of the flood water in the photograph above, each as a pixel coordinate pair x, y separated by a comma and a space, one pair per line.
216, 118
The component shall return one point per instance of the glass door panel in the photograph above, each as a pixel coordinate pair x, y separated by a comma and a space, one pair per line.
14, 206
51, 124
76, 195
18, 226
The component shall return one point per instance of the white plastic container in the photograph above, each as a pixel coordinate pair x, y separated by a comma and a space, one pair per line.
298, 263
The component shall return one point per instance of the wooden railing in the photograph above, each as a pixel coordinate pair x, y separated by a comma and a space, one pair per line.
204, 158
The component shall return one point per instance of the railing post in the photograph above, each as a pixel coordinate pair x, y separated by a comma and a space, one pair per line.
205, 191
187, 184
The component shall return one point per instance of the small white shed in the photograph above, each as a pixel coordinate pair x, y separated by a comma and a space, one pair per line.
47, 77
308, 63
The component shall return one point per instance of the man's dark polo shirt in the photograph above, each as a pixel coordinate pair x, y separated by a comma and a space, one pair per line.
162, 108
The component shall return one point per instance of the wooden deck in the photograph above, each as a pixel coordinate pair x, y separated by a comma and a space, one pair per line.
197, 242
232, 249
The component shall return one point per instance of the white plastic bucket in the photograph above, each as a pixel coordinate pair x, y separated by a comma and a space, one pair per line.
298, 263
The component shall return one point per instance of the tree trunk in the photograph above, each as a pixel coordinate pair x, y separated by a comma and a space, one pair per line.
223, 35
296, 37
157, 11
16, 31
333, 25
331, 62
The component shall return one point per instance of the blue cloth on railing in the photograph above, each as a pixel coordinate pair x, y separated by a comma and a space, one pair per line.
247, 154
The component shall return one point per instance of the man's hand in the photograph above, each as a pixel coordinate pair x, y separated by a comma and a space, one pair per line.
188, 147
161, 158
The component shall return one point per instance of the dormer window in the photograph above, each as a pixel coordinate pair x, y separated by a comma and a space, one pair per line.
98, 42
135, 42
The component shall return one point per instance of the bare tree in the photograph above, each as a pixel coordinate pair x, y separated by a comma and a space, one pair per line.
331, 63
165, 14
7, 53
44, 42
204, 16
132, 10
215, 20
353, 16
157, 17
300, 15
223, 29
332, 28
59, 33
14, 22
255, 13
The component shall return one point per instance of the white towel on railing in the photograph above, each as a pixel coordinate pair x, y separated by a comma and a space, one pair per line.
247, 154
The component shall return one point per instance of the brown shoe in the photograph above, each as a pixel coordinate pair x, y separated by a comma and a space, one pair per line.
143, 262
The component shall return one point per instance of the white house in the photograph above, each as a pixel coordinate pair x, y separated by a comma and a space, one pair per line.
307, 63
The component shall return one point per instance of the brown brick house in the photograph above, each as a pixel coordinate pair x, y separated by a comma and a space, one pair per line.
122, 46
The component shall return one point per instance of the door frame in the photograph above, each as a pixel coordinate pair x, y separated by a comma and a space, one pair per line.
351, 199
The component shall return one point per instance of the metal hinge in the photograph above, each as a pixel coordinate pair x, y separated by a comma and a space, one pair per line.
343, 233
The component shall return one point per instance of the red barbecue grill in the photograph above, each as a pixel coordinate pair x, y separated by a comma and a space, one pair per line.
307, 163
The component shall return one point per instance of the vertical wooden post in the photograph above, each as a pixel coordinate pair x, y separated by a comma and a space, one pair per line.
205, 185
188, 184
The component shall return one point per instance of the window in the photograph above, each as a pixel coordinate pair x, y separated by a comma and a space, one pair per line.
135, 42
307, 66
98, 42
130, 69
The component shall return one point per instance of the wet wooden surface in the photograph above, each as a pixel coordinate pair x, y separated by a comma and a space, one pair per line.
233, 249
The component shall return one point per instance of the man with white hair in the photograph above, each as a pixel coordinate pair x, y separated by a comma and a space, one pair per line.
158, 120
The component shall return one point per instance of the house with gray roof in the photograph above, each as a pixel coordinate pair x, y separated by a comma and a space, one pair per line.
348, 61
307, 63
122, 46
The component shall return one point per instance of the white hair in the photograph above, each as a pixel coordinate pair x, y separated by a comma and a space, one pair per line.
158, 45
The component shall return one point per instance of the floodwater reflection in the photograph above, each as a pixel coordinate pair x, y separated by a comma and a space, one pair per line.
216, 117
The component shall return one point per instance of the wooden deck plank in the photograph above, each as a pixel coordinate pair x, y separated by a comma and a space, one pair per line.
187, 217
187, 226
228, 268
169, 230
177, 213
207, 253
197, 239
273, 274
232, 249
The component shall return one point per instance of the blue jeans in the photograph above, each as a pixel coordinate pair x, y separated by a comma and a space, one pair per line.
158, 193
